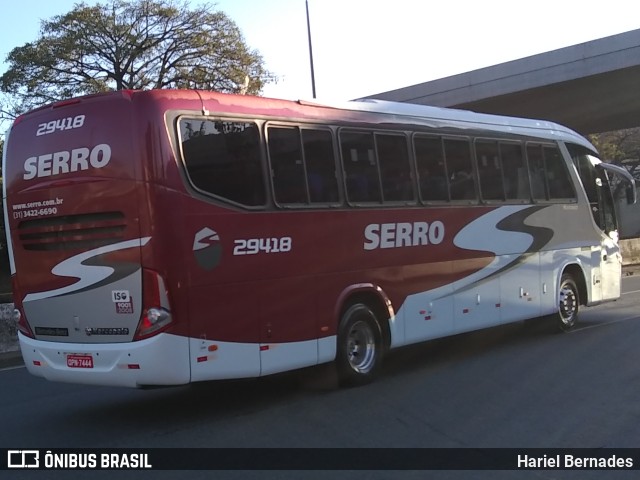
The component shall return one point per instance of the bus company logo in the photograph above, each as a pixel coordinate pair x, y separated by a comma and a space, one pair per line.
58, 163
23, 459
207, 248
404, 234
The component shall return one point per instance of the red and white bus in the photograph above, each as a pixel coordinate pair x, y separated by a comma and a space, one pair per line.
166, 237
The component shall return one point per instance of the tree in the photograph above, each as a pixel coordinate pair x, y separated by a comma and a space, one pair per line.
621, 147
139, 44
618, 145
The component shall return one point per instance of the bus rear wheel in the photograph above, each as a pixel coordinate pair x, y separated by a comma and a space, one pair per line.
568, 303
359, 350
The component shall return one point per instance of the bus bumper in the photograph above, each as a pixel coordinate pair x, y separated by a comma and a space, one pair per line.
159, 360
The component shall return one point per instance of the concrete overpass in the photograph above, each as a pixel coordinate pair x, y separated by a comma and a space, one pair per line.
591, 87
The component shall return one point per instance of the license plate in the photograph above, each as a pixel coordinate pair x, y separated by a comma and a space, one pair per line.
79, 361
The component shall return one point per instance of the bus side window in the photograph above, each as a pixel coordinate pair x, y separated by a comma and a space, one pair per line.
287, 167
321, 166
489, 170
393, 157
222, 158
536, 172
432, 172
462, 182
549, 174
560, 186
516, 181
361, 170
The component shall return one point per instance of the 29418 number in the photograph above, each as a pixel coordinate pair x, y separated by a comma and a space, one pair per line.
60, 124
254, 246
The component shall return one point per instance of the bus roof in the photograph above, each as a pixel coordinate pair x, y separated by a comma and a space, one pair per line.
525, 126
436, 117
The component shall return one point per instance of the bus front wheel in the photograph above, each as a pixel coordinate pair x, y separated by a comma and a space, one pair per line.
568, 303
359, 349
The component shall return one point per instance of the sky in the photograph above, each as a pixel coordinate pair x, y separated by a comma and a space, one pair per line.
363, 47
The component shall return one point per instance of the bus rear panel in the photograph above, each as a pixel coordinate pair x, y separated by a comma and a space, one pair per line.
90, 301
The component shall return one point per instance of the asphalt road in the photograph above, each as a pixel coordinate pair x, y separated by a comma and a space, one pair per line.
514, 386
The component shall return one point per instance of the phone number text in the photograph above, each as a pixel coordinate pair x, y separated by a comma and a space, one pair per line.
37, 212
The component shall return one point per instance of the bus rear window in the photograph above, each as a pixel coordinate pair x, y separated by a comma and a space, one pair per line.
222, 158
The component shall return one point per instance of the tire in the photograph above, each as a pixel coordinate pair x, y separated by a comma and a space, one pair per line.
568, 303
359, 350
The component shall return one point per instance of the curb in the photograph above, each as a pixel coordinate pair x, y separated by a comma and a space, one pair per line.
11, 359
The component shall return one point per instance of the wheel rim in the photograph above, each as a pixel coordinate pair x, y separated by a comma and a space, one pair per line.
568, 304
361, 347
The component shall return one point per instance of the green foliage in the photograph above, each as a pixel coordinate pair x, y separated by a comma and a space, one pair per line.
139, 44
619, 145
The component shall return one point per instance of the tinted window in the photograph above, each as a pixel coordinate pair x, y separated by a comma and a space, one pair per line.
287, 168
560, 185
432, 171
361, 171
502, 171
582, 160
514, 171
490, 170
596, 186
222, 158
321, 166
460, 169
550, 178
393, 157
302, 165
536, 172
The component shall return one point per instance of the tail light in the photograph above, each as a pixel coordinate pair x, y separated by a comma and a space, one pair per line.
156, 311
21, 322
18, 313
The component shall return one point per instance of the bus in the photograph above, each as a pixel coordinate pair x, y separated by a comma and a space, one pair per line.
166, 237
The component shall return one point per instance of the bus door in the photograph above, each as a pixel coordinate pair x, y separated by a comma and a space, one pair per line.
606, 258
610, 259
